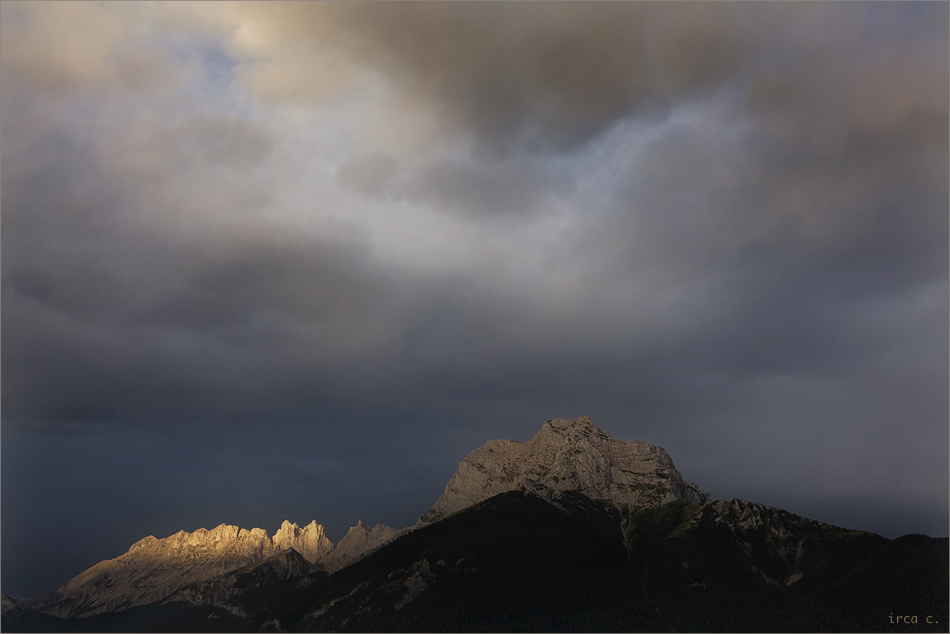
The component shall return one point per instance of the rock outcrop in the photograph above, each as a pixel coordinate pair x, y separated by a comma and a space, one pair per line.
567, 455
359, 542
310, 541
225, 591
7, 602
211, 567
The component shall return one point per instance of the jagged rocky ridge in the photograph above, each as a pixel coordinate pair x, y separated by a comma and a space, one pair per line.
201, 566
571, 531
567, 455
7, 602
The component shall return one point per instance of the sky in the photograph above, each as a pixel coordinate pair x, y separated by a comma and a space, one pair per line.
295, 261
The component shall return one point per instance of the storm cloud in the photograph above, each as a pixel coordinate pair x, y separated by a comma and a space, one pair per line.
266, 261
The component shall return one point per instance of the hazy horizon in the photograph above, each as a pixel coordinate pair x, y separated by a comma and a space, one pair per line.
267, 261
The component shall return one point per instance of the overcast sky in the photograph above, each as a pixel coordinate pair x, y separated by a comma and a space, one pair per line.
266, 261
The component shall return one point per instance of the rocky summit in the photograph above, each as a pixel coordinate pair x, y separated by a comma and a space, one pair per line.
571, 531
567, 455
154, 569
358, 541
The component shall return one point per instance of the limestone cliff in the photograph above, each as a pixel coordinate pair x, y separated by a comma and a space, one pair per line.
207, 566
567, 455
154, 568
310, 541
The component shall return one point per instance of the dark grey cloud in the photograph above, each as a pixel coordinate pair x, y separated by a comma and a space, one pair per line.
373, 175
113, 314
554, 76
535, 76
494, 189
717, 228
460, 185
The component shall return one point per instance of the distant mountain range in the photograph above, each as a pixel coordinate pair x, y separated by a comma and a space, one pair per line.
573, 530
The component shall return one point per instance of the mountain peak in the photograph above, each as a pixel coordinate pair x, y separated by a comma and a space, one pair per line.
571, 431
358, 541
310, 541
154, 569
567, 455
564, 424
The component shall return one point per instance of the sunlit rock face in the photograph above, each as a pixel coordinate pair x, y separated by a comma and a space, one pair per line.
567, 455
310, 541
154, 568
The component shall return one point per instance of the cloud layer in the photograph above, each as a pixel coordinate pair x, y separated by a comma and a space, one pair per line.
721, 228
